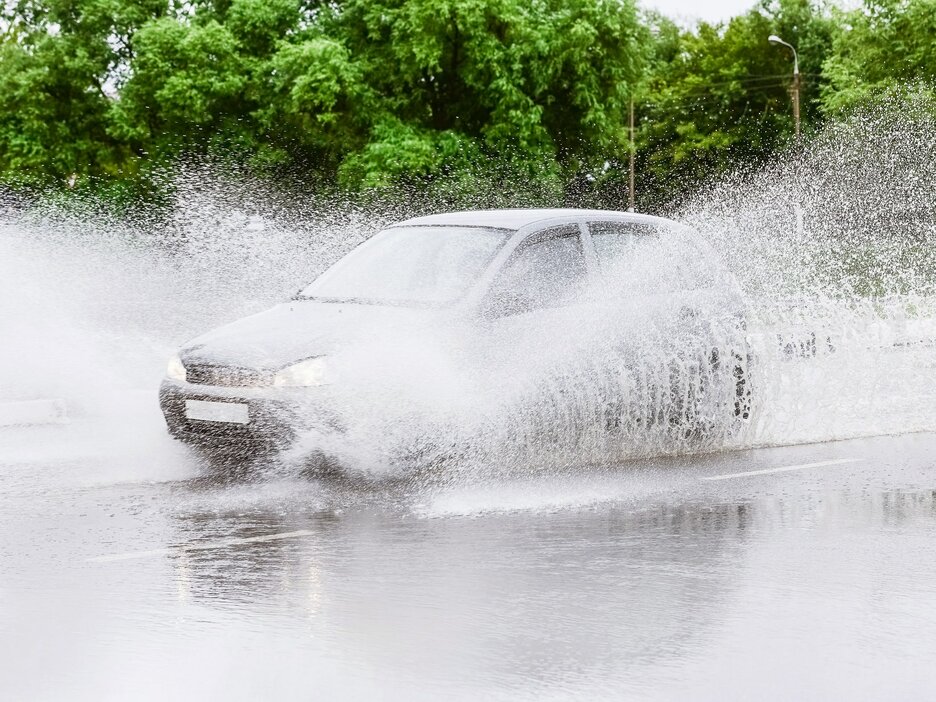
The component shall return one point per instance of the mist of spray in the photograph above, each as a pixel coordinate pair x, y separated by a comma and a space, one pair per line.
92, 304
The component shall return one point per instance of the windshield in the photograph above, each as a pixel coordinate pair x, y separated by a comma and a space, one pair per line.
410, 266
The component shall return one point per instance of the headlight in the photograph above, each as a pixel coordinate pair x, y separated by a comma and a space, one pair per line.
175, 370
312, 371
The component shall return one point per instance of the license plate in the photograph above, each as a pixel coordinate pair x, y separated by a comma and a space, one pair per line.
230, 412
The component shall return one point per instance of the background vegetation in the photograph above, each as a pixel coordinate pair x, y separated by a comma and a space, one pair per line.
485, 100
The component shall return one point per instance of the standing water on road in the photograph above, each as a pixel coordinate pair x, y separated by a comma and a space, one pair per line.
127, 574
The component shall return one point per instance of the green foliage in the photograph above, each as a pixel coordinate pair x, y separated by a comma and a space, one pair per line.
468, 99
188, 81
883, 45
455, 80
717, 97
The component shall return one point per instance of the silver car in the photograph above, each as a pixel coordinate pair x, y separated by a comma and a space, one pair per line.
613, 325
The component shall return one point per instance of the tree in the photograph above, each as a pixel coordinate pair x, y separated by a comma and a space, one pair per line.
58, 64
883, 45
716, 97
540, 88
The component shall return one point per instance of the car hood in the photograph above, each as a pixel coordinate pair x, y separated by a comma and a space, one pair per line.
301, 329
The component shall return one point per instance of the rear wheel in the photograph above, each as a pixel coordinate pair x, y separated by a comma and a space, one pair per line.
709, 398
744, 391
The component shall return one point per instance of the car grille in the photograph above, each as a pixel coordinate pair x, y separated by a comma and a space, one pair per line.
227, 377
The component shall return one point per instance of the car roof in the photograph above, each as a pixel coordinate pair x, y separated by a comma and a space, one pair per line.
514, 219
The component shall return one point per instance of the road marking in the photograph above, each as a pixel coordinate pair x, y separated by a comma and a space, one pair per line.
204, 546
784, 469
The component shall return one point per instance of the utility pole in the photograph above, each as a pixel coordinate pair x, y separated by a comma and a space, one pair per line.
796, 87
630, 198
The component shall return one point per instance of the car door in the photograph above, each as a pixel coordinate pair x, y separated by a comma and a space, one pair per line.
648, 301
533, 324
674, 334
642, 284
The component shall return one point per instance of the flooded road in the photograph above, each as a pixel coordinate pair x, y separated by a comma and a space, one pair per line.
794, 573
804, 572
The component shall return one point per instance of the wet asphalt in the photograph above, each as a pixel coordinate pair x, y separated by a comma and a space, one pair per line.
804, 572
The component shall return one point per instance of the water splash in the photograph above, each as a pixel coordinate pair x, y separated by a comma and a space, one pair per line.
833, 247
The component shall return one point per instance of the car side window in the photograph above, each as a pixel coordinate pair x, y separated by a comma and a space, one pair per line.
547, 270
636, 258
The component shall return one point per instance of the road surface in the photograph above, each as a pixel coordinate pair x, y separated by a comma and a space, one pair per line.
790, 573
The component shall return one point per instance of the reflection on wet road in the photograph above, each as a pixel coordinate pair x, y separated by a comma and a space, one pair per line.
803, 573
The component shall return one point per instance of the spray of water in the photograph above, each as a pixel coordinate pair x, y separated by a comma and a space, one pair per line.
832, 247
92, 304
625, 374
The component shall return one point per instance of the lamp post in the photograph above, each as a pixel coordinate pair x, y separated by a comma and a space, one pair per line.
774, 39
797, 210
630, 189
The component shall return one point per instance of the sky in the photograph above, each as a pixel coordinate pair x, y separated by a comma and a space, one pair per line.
708, 10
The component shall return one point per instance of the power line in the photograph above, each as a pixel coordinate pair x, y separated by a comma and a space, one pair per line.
745, 80
699, 98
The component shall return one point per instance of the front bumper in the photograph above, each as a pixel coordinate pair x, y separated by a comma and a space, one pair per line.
275, 419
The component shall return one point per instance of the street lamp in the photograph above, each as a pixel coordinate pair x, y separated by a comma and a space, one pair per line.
774, 39
630, 189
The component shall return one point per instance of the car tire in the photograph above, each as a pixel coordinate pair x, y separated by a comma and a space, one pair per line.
710, 403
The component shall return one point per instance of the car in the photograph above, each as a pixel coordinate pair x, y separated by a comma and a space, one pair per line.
575, 332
